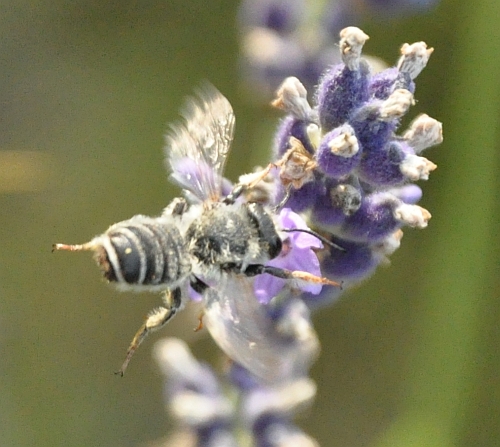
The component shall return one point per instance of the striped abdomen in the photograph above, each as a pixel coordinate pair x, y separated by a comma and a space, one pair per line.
144, 253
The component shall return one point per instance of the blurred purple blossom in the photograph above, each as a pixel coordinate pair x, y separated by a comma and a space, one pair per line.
206, 416
282, 38
297, 254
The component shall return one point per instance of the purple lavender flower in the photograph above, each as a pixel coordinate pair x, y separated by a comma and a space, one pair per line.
297, 254
360, 193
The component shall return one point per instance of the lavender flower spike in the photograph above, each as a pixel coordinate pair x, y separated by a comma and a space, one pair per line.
359, 193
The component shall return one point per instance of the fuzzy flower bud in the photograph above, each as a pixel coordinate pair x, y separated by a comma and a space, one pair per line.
414, 58
412, 215
351, 43
344, 87
338, 153
424, 132
416, 168
292, 98
396, 105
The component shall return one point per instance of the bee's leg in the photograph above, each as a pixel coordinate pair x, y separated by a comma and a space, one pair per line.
199, 287
252, 181
258, 269
155, 320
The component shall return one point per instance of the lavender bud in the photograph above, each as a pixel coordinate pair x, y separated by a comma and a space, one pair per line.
338, 153
416, 168
343, 89
412, 215
177, 363
197, 410
292, 127
382, 84
351, 43
283, 400
414, 58
292, 98
410, 194
382, 167
396, 105
424, 132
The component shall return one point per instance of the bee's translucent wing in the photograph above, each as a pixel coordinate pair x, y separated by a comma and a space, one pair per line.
244, 330
198, 147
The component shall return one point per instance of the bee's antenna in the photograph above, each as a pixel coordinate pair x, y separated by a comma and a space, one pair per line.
313, 233
285, 198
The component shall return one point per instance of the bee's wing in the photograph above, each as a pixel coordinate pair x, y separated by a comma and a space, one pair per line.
244, 330
198, 147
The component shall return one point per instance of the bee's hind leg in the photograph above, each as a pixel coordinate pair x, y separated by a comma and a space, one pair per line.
156, 319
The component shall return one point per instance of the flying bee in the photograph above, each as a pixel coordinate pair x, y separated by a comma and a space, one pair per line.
212, 242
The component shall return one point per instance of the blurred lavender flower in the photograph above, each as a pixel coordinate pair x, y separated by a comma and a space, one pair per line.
282, 38
358, 192
194, 397
208, 415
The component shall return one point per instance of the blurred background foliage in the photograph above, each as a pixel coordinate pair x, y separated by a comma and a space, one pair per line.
410, 358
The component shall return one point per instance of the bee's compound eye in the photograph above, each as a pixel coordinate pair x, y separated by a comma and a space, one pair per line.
266, 228
275, 246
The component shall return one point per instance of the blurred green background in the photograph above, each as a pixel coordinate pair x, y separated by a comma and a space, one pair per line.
410, 358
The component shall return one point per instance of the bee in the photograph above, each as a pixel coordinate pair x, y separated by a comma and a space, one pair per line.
212, 241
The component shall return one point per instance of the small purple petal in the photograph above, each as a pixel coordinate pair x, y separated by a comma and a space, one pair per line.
410, 194
266, 287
